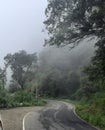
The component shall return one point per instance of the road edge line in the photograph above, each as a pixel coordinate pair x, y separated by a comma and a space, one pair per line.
25, 118
74, 110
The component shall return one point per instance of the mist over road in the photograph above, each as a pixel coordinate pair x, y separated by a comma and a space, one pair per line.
55, 116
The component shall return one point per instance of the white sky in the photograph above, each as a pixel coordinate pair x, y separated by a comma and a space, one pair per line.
21, 24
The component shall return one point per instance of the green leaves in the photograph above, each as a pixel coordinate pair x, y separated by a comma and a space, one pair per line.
81, 17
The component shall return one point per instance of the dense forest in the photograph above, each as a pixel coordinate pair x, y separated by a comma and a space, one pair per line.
72, 65
55, 72
67, 23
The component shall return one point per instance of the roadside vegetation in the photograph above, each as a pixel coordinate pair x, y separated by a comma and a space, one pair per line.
68, 23
92, 110
60, 73
18, 93
20, 99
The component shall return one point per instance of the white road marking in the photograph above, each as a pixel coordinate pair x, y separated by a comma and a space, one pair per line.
25, 118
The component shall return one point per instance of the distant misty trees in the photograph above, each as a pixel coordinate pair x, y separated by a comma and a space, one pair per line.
60, 71
21, 64
70, 21
59, 83
52, 77
54, 73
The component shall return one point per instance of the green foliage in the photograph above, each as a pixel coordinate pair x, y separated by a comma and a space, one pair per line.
78, 94
3, 97
93, 109
3, 102
19, 99
69, 21
24, 96
99, 100
96, 71
95, 119
59, 83
2, 77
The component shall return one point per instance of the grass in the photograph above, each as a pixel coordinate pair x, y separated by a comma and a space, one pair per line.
91, 111
91, 114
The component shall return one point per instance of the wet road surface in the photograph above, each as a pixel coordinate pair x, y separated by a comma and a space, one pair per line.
55, 116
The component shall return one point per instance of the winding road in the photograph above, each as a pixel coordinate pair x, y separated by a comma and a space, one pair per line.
55, 116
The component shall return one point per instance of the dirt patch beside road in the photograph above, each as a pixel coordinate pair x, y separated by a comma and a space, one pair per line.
13, 118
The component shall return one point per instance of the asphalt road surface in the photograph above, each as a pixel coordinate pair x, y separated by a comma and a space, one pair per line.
55, 116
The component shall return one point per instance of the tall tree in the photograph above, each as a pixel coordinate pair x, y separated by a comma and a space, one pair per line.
21, 66
68, 21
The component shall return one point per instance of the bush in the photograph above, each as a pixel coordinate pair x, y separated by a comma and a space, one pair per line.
3, 102
93, 110
24, 96
19, 99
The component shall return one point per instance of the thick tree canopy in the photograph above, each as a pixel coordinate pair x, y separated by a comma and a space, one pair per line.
70, 20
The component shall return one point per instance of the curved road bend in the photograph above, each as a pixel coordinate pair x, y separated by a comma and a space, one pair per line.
55, 116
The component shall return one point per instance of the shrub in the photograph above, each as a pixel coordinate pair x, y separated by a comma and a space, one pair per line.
3, 102
24, 96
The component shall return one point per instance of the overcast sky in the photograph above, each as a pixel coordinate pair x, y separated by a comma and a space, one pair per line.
21, 24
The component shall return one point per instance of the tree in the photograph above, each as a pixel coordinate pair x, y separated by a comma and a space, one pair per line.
21, 65
70, 21
3, 77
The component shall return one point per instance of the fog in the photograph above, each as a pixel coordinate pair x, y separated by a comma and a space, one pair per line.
64, 58
21, 28
21, 24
